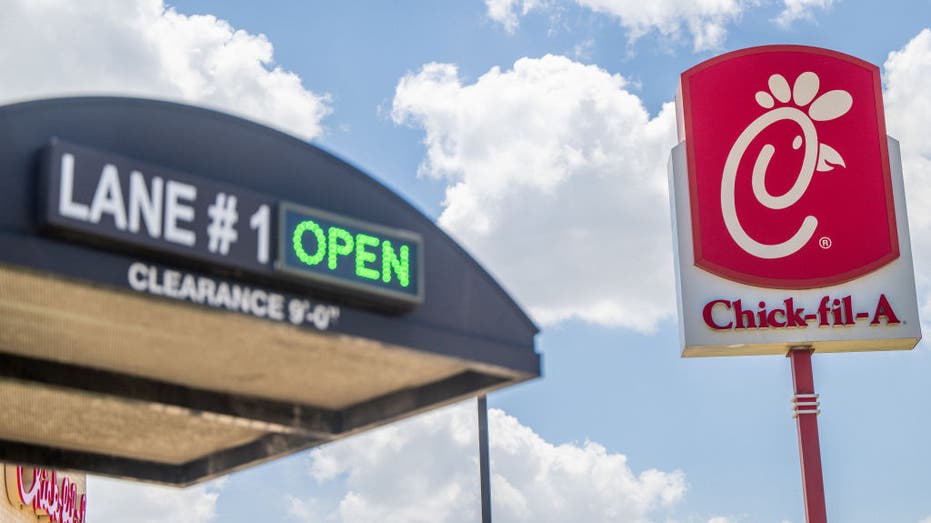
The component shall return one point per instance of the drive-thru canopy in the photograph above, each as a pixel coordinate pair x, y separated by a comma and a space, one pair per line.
184, 293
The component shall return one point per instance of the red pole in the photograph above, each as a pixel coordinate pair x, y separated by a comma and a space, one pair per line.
806, 411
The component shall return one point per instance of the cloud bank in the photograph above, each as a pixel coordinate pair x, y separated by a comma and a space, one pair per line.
424, 470
142, 48
111, 500
705, 21
908, 109
794, 10
556, 179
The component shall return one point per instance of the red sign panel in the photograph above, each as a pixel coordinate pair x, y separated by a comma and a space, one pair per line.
788, 167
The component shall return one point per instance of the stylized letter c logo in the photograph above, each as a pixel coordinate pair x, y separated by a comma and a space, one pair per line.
728, 181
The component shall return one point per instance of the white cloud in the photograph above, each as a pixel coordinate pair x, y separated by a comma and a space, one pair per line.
507, 12
794, 10
719, 519
582, 51
425, 470
59, 47
908, 111
704, 20
115, 501
308, 511
556, 179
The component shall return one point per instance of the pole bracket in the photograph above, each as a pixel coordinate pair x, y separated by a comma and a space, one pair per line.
805, 404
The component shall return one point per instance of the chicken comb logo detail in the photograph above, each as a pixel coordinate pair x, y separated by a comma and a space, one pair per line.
788, 167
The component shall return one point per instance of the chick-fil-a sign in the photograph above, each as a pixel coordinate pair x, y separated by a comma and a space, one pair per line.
788, 167
789, 207
42, 492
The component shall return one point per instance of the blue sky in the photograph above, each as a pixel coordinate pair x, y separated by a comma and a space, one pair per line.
498, 156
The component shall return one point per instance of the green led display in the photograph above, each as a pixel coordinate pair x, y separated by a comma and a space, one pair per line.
400, 265
364, 257
297, 240
343, 251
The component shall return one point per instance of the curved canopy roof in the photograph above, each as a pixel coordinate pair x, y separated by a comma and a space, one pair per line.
158, 385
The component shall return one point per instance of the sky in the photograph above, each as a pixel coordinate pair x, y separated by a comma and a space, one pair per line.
509, 121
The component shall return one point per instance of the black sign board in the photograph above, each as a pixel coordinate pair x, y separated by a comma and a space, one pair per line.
114, 198
331, 248
109, 198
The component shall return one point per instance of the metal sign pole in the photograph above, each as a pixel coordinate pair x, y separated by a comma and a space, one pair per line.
805, 407
483, 465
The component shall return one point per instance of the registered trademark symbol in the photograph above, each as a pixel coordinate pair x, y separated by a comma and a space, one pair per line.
825, 242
